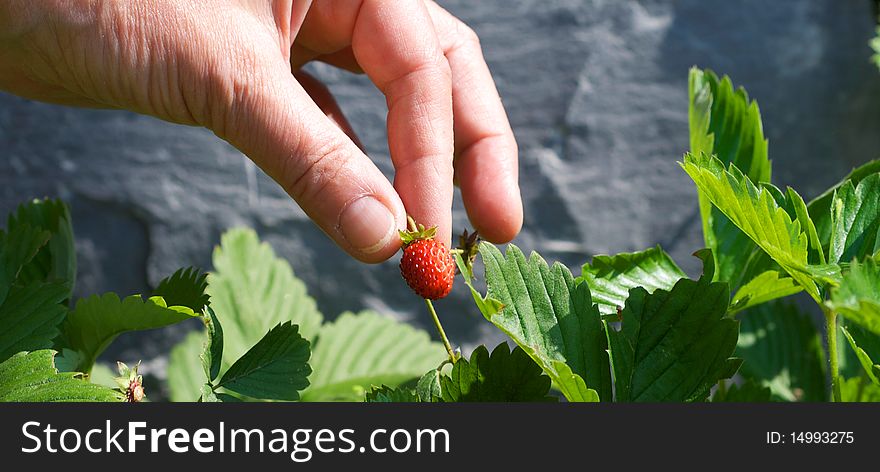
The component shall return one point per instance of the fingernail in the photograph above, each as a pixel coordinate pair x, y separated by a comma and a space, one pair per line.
367, 225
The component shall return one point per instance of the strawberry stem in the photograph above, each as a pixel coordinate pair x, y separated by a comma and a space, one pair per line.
449, 350
412, 224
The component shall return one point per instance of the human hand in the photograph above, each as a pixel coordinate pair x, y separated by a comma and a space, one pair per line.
233, 67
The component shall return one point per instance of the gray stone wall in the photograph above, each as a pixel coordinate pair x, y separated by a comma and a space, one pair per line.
596, 92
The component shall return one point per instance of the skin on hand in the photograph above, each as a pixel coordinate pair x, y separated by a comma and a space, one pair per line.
233, 66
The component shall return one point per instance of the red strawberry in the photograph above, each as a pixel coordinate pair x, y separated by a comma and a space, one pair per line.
426, 266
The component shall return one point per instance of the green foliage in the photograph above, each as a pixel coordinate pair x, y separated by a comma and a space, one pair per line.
663, 336
252, 291
212, 351
820, 207
781, 349
503, 376
724, 123
675, 344
360, 350
56, 260
859, 389
755, 211
866, 359
766, 286
97, 320
349, 355
747, 392
276, 368
858, 296
429, 388
186, 287
30, 316
32, 377
855, 220
550, 317
610, 278
386, 394
31, 301
18, 248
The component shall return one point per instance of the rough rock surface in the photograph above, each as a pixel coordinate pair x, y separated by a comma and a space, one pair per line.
595, 89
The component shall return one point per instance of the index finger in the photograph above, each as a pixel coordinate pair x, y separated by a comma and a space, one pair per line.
395, 43
486, 153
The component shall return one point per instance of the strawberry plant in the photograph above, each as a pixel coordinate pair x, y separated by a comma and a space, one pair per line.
630, 327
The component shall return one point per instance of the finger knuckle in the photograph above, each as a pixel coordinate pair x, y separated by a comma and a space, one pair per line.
307, 176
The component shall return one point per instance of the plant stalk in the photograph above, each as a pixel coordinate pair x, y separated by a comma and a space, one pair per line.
831, 332
440, 330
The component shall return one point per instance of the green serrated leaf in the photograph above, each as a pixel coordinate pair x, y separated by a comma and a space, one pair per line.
97, 320
673, 345
32, 377
755, 211
799, 212
858, 296
820, 207
747, 392
725, 123
30, 317
386, 394
767, 286
855, 220
17, 249
429, 387
503, 376
185, 287
610, 278
551, 317
252, 290
782, 349
56, 261
871, 368
185, 374
276, 368
360, 350
212, 352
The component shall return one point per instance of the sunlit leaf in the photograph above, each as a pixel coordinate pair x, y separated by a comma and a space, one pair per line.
767, 286
32, 377
858, 296
610, 278
855, 220
725, 123
755, 211
97, 320
550, 317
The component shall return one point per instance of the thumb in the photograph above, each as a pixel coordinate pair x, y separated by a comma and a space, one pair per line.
273, 121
